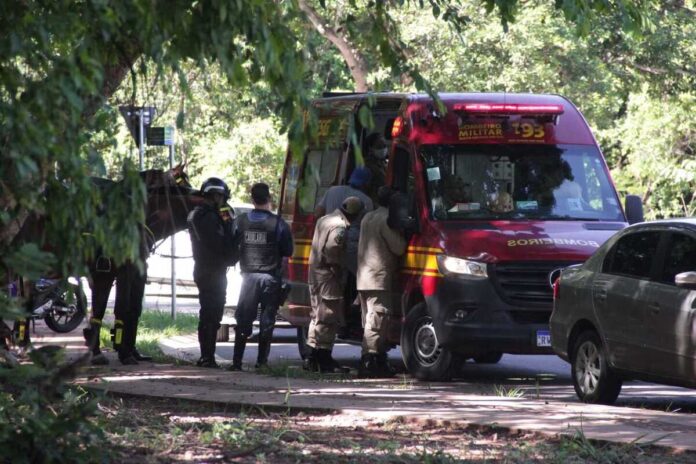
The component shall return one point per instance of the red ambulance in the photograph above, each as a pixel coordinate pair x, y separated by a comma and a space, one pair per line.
498, 192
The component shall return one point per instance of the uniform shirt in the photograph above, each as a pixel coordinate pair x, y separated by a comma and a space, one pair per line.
327, 255
379, 250
284, 237
331, 201
211, 238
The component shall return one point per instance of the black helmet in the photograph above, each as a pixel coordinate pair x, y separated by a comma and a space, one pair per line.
215, 184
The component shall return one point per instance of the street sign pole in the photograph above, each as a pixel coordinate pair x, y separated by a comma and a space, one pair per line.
173, 253
141, 137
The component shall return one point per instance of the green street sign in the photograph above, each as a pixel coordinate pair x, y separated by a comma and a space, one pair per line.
160, 135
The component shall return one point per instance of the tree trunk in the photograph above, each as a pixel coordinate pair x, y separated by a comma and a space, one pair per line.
125, 54
353, 58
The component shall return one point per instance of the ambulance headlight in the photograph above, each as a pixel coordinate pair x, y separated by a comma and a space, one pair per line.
449, 265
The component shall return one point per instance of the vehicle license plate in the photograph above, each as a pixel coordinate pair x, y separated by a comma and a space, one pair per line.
543, 338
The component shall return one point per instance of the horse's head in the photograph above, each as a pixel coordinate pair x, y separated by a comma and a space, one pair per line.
158, 178
168, 207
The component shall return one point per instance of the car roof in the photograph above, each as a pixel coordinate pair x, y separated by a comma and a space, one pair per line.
666, 223
495, 97
447, 97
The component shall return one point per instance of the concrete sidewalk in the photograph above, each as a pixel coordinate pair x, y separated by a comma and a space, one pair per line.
401, 398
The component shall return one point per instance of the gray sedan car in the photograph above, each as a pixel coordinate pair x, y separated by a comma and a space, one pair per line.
629, 311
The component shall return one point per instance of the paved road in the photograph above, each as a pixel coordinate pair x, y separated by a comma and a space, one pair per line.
532, 376
470, 400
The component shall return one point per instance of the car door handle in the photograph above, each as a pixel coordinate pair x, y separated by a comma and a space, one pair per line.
600, 294
654, 308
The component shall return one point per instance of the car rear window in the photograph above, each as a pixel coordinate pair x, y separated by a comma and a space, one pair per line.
633, 255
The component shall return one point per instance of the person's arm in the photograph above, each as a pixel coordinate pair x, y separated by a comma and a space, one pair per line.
335, 246
395, 240
285, 241
320, 209
232, 243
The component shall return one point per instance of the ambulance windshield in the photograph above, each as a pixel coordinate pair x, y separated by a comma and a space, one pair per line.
516, 181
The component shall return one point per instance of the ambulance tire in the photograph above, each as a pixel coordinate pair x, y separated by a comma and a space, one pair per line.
424, 358
302, 333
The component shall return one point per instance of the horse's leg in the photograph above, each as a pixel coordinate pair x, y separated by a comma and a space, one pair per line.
22, 326
136, 305
5, 336
101, 283
121, 335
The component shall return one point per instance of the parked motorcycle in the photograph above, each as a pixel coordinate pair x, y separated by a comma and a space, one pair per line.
61, 303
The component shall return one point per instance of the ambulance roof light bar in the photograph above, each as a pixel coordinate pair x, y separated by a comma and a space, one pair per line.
508, 108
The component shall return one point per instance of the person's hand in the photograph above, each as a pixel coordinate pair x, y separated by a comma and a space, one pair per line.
225, 212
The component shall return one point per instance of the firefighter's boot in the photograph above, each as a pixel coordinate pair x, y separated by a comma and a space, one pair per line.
264, 351
384, 369
311, 362
240, 341
328, 365
369, 368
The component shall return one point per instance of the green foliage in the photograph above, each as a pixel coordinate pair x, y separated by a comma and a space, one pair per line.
657, 155
254, 152
41, 419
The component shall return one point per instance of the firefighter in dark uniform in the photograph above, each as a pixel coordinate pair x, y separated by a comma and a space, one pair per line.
264, 239
210, 227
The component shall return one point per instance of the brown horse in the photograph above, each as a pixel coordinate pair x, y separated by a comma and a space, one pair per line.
160, 184
165, 214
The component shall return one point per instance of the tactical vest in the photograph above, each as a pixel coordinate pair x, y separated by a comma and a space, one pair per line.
258, 244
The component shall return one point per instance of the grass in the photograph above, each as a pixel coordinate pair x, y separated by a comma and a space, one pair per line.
155, 326
508, 392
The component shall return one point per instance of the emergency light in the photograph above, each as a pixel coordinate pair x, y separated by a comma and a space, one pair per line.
397, 127
508, 108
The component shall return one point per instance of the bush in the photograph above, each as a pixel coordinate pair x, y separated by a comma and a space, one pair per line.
42, 419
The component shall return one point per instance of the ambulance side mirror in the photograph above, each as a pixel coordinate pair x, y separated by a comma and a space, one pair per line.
400, 214
634, 209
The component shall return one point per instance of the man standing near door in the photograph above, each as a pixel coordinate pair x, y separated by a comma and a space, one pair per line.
264, 240
379, 250
327, 280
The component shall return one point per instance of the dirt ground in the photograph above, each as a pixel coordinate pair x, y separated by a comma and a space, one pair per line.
167, 430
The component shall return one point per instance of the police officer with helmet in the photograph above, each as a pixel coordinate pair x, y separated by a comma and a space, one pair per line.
264, 239
210, 227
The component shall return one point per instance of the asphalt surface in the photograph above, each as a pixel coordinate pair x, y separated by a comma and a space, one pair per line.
513, 395
538, 376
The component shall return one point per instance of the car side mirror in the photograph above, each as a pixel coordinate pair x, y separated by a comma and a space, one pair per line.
634, 209
686, 280
400, 213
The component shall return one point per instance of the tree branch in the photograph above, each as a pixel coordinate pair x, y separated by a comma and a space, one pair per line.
353, 58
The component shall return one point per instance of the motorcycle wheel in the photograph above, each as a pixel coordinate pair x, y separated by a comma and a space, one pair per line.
67, 317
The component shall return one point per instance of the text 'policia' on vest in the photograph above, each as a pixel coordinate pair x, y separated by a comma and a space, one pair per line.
259, 245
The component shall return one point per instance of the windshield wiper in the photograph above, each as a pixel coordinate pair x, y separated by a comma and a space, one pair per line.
568, 217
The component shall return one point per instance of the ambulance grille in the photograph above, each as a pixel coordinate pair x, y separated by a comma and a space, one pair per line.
525, 283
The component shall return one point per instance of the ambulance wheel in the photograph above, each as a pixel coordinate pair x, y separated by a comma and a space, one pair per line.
302, 333
423, 356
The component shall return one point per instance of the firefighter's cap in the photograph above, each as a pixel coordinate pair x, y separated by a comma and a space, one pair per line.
352, 206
